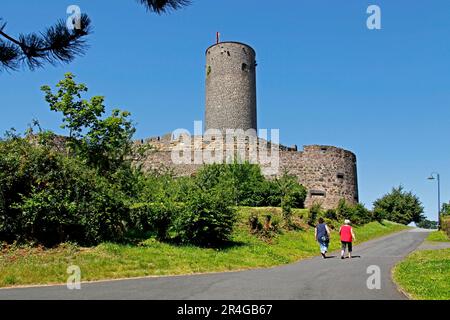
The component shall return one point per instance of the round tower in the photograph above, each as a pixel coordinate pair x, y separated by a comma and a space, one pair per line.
230, 87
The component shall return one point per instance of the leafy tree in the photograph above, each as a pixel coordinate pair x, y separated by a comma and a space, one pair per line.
445, 209
290, 188
427, 224
103, 142
47, 197
243, 181
246, 184
400, 206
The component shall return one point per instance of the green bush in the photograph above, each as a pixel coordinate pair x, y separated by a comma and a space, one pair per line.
427, 224
445, 220
286, 208
330, 214
357, 214
155, 217
314, 213
343, 211
246, 185
360, 215
47, 197
445, 209
207, 219
378, 215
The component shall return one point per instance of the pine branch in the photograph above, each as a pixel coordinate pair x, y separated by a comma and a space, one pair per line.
57, 44
162, 6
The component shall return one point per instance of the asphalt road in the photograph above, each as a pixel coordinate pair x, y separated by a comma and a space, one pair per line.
314, 278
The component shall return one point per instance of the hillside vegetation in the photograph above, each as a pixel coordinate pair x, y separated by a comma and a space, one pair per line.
248, 249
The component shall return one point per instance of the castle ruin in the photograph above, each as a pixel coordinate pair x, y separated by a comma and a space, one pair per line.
329, 173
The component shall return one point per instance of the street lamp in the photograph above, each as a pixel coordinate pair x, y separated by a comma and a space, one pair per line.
432, 177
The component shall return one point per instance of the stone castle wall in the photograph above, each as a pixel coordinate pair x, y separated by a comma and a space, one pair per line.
329, 173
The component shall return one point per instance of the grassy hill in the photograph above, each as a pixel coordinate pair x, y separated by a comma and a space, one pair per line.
31, 265
425, 274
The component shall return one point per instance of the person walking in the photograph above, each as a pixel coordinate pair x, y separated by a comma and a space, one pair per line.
347, 238
322, 234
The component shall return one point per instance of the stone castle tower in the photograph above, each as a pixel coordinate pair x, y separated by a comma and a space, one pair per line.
329, 173
230, 87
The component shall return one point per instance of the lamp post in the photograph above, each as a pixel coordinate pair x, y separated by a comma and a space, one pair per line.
432, 177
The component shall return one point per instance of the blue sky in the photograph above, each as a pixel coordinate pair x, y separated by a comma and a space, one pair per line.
323, 77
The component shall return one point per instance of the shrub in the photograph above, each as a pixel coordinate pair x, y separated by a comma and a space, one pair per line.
291, 187
445, 209
49, 198
378, 215
267, 230
254, 223
313, 213
155, 217
243, 182
343, 211
427, 224
207, 219
331, 214
446, 225
247, 186
286, 209
359, 214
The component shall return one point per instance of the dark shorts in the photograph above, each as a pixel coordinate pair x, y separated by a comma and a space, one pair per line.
347, 244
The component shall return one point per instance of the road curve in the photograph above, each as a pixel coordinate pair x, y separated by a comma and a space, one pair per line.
314, 278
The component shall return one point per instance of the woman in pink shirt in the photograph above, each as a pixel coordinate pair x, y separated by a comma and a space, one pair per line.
347, 237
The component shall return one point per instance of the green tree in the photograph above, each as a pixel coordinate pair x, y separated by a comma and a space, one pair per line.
103, 142
446, 209
290, 187
47, 197
400, 206
427, 224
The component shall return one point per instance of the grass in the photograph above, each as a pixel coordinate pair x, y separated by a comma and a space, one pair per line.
30, 266
438, 236
425, 275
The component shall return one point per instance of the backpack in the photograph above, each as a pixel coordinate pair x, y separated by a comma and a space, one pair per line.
324, 238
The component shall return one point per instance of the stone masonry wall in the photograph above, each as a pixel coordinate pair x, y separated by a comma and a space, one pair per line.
230, 87
329, 173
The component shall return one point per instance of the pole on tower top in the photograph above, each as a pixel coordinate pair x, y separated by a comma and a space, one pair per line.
217, 37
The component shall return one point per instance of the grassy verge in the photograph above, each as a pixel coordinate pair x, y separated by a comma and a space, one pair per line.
26, 266
438, 236
425, 275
